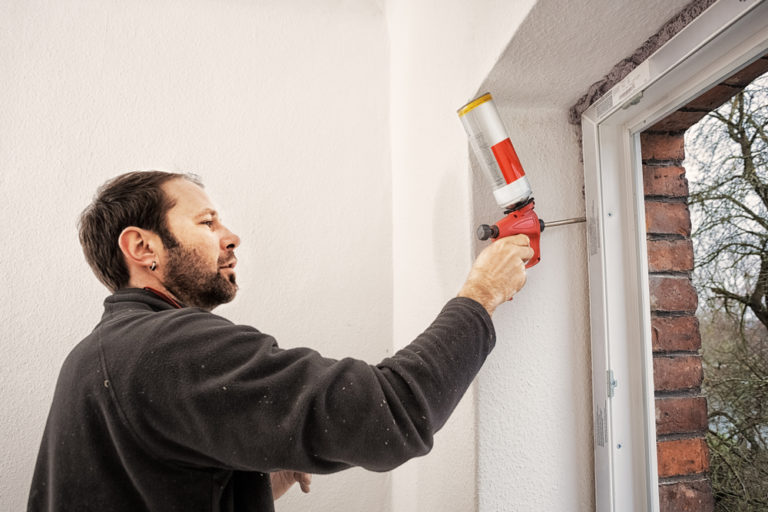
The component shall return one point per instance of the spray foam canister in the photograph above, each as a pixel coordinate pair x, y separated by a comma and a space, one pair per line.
494, 151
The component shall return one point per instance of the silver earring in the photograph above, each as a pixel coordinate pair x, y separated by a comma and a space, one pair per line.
153, 266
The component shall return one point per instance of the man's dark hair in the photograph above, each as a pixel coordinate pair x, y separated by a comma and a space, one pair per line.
131, 199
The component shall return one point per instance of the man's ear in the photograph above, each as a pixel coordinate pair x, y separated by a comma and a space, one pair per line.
138, 247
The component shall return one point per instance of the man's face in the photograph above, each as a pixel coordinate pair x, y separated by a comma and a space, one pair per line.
200, 269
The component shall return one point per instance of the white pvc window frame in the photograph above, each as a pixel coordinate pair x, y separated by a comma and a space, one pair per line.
724, 38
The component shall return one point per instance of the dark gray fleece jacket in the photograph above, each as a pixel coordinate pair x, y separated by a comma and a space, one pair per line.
165, 409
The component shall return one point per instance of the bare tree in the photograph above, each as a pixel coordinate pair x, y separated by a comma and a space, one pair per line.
729, 202
736, 367
728, 154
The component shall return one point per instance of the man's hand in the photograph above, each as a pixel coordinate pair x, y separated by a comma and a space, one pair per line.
498, 272
283, 480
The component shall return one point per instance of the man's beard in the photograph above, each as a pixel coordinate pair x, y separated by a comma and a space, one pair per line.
190, 280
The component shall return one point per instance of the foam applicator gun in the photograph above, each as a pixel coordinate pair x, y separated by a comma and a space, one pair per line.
496, 155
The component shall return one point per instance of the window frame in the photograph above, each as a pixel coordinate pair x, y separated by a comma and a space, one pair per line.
727, 36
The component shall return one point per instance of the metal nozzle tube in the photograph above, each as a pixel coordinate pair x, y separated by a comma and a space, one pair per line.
564, 222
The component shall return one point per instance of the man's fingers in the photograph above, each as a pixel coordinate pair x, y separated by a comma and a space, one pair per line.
304, 479
284, 480
498, 272
524, 250
519, 239
527, 255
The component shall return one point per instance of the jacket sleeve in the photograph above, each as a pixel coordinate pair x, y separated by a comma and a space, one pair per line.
207, 393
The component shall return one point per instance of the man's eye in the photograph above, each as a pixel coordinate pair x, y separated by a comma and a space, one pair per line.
208, 223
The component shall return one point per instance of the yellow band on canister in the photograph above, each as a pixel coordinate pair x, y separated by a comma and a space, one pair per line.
474, 103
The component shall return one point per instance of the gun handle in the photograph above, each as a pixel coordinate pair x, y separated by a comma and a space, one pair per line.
523, 221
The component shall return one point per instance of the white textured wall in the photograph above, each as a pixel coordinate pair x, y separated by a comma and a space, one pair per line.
534, 407
280, 106
441, 50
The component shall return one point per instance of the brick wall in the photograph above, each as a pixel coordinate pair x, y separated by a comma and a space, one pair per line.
681, 409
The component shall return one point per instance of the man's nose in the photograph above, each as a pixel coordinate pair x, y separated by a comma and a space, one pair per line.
229, 241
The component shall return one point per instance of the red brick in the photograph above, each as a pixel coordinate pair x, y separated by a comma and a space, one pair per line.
672, 294
678, 121
680, 333
691, 496
749, 73
667, 218
670, 255
682, 457
677, 373
681, 415
666, 181
662, 147
714, 97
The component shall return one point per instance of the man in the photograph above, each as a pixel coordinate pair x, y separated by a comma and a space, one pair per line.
166, 406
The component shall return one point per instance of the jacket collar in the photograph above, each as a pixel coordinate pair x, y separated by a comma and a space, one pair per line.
152, 298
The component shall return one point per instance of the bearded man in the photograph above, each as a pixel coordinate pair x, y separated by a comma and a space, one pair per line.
166, 406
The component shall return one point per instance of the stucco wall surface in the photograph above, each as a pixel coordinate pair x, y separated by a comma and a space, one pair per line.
281, 107
534, 395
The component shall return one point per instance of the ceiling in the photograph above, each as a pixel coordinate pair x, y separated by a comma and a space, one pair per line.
564, 47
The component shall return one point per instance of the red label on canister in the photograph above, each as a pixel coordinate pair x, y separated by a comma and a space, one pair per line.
508, 161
